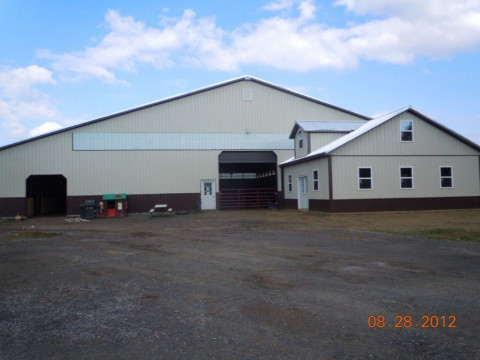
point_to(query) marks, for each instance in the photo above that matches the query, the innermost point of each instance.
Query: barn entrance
(46, 195)
(248, 179)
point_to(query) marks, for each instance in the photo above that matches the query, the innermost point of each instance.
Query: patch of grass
(449, 234)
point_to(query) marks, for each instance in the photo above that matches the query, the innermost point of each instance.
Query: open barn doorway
(248, 179)
(46, 195)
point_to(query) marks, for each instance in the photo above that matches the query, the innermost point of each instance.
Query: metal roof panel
(329, 126)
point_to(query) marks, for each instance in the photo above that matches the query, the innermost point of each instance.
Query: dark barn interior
(46, 195)
(248, 179)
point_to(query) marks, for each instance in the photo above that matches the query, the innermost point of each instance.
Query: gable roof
(327, 126)
(183, 95)
(369, 125)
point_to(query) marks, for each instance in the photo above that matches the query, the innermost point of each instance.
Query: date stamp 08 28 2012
(407, 321)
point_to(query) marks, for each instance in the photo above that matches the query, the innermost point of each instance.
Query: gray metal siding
(385, 140)
(317, 140)
(223, 110)
(386, 176)
(383, 151)
(301, 152)
(47, 156)
(306, 169)
(269, 115)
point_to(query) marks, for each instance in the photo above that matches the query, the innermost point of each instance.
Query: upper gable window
(406, 130)
(247, 94)
(300, 139)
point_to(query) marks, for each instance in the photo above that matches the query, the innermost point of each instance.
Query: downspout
(282, 198)
(330, 184)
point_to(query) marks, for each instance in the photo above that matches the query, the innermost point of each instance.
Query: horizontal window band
(180, 141)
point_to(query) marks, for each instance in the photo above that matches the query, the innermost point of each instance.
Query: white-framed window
(406, 177)
(315, 180)
(406, 130)
(289, 183)
(446, 177)
(300, 139)
(247, 94)
(365, 180)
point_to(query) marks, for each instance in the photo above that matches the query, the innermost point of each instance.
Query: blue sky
(63, 63)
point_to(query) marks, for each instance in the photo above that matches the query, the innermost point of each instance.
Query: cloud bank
(391, 31)
(20, 100)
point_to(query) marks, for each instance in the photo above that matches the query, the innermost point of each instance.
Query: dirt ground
(259, 284)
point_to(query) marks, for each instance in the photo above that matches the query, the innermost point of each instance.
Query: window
(290, 183)
(207, 188)
(406, 130)
(446, 177)
(365, 178)
(315, 180)
(406, 178)
(300, 139)
(247, 94)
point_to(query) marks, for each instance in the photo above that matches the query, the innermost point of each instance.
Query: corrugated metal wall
(220, 110)
(319, 140)
(306, 169)
(385, 139)
(223, 110)
(47, 156)
(301, 152)
(386, 176)
(382, 150)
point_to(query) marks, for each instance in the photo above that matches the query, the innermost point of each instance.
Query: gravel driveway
(257, 284)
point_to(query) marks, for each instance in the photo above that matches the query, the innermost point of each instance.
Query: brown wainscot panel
(365, 205)
(10, 207)
(288, 204)
(319, 205)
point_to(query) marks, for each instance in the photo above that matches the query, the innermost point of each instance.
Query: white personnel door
(208, 194)
(303, 193)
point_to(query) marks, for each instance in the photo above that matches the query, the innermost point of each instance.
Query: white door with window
(208, 194)
(303, 193)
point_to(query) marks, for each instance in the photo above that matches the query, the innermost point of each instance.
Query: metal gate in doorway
(248, 179)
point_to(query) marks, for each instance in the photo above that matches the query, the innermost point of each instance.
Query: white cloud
(307, 8)
(18, 82)
(292, 45)
(411, 29)
(280, 5)
(410, 8)
(130, 42)
(399, 33)
(20, 100)
(44, 128)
